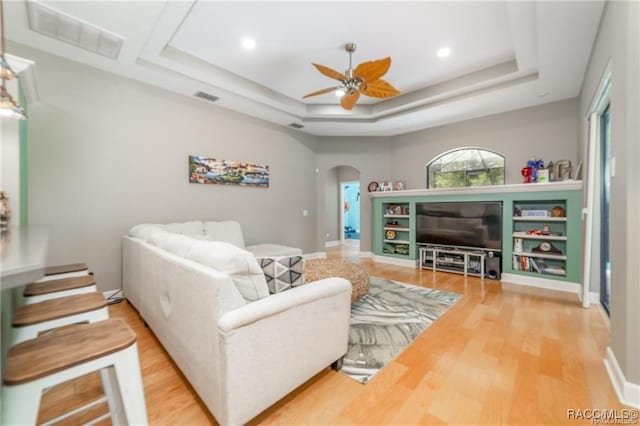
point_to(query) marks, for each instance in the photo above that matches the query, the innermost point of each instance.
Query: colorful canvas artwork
(225, 172)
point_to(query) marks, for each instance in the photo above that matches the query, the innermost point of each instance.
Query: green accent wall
(24, 166)
(570, 199)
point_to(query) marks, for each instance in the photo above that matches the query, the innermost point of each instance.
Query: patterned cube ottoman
(317, 269)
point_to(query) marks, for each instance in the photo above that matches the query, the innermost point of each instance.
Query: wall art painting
(226, 172)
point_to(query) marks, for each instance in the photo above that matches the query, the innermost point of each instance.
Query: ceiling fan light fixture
(340, 93)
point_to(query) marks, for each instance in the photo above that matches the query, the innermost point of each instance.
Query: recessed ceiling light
(444, 52)
(339, 93)
(248, 43)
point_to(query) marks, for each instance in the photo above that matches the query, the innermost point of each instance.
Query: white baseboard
(332, 243)
(547, 283)
(628, 393)
(366, 254)
(107, 294)
(394, 261)
(316, 255)
(594, 297)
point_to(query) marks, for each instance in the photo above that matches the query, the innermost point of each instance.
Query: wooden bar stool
(64, 271)
(29, 320)
(107, 346)
(61, 287)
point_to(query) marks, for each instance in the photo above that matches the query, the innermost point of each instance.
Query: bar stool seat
(31, 319)
(60, 287)
(107, 346)
(64, 271)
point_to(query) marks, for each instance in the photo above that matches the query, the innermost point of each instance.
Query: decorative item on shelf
(558, 211)
(399, 185)
(405, 211)
(373, 186)
(517, 211)
(562, 170)
(551, 168)
(392, 224)
(5, 212)
(535, 213)
(390, 234)
(546, 247)
(530, 171)
(543, 176)
(579, 171)
(402, 249)
(546, 230)
(385, 185)
(517, 245)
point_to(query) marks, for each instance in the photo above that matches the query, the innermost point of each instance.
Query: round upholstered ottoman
(317, 269)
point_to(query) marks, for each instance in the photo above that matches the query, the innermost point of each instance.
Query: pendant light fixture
(8, 107)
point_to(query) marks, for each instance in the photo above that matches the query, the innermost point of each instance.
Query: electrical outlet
(328, 235)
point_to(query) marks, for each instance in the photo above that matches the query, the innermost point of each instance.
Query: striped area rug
(386, 320)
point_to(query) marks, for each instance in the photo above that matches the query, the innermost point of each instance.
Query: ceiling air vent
(206, 96)
(296, 125)
(61, 26)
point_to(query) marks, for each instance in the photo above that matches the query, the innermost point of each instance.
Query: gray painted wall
(547, 131)
(331, 201)
(618, 41)
(370, 157)
(106, 153)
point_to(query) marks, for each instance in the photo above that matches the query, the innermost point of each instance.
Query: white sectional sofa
(207, 302)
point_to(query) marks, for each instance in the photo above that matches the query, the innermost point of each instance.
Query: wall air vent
(206, 96)
(296, 125)
(48, 21)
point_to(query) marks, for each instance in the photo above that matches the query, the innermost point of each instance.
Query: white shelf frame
(397, 241)
(392, 228)
(540, 255)
(538, 219)
(526, 236)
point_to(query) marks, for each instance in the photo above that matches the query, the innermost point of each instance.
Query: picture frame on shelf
(399, 185)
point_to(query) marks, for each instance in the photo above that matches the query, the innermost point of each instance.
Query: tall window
(465, 167)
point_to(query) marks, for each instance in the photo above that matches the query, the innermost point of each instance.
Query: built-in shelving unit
(540, 237)
(396, 229)
(559, 267)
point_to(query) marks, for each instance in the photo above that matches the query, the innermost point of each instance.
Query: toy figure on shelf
(530, 171)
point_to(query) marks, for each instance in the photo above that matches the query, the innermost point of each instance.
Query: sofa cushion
(180, 245)
(271, 250)
(228, 231)
(142, 231)
(194, 227)
(239, 264)
(282, 272)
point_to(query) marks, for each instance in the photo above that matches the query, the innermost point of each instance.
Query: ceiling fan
(365, 79)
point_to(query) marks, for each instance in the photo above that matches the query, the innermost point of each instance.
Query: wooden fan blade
(379, 89)
(373, 70)
(329, 72)
(320, 92)
(350, 99)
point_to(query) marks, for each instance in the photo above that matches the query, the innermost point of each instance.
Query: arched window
(465, 167)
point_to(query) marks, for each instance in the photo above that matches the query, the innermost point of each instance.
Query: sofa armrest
(280, 302)
(271, 346)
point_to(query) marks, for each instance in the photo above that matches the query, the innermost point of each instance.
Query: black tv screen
(460, 224)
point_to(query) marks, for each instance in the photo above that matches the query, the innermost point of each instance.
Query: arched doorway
(342, 211)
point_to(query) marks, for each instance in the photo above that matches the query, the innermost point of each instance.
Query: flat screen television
(460, 224)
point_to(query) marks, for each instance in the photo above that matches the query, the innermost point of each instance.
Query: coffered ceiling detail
(504, 55)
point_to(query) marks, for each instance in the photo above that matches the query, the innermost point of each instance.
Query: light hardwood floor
(501, 355)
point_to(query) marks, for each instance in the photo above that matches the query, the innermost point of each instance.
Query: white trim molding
(546, 283)
(109, 293)
(394, 261)
(628, 393)
(366, 254)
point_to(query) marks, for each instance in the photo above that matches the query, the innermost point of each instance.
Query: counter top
(23, 255)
